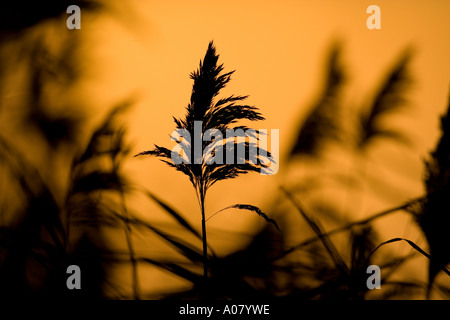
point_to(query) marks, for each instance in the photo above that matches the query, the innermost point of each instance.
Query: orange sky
(147, 49)
(278, 49)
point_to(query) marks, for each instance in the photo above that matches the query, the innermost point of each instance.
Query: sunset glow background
(145, 51)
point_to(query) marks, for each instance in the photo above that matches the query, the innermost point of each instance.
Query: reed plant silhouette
(39, 246)
(390, 97)
(45, 239)
(98, 188)
(329, 274)
(323, 125)
(220, 114)
(323, 122)
(38, 240)
(434, 217)
(43, 243)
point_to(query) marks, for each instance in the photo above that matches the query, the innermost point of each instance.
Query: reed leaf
(173, 268)
(174, 214)
(324, 237)
(414, 246)
(186, 249)
(249, 207)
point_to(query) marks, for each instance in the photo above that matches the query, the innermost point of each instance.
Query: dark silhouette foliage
(435, 216)
(323, 122)
(390, 97)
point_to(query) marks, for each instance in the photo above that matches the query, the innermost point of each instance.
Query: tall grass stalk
(220, 114)
(406, 206)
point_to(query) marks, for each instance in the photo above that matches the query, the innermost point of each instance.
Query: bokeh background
(58, 86)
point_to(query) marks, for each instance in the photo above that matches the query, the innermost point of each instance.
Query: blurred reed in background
(53, 216)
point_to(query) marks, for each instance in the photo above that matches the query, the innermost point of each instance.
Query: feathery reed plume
(390, 98)
(435, 218)
(323, 121)
(221, 115)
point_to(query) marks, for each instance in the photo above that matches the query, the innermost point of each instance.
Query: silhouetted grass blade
(174, 214)
(174, 268)
(413, 245)
(324, 238)
(250, 208)
(186, 249)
